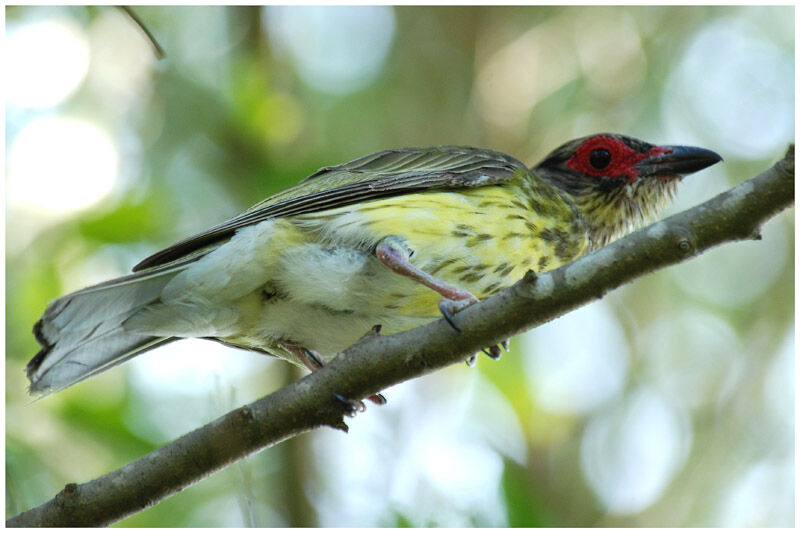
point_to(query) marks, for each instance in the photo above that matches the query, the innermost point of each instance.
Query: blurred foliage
(230, 116)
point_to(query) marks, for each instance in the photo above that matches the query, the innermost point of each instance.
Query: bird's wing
(378, 175)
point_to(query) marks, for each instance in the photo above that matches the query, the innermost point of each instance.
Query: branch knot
(686, 246)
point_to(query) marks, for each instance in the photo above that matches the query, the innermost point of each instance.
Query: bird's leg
(393, 252)
(314, 361)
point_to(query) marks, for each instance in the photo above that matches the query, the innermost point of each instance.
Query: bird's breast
(481, 240)
(327, 287)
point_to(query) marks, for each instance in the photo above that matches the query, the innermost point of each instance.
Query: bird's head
(618, 182)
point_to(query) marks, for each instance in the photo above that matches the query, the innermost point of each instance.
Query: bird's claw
(493, 352)
(448, 316)
(354, 407)
(351, 408)
(377, 399)
(449, 307)
(314, 361)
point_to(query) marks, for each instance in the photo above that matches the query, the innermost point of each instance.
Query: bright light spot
(470, 487)
(737, 88)
(60, 165)
(187, 383)
(122, 59)
(44, 62)
(691, 356)
(354, 493)
(188, 366)
(763, 497)
(779, 384)
(431, 457)
(630, 454)
(572, 372)
(428, 484)
(335, 49)
(499, 424)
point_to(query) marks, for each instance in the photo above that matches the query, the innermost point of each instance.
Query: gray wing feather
(83, 333)
(378, 175)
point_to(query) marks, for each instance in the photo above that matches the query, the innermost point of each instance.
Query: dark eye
(600, 158)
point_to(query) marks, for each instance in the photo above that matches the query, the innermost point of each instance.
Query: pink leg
(314, 361)
(393, 253)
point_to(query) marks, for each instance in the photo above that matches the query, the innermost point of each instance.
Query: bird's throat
(609, 214)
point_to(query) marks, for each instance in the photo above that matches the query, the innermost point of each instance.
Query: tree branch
(377, 362)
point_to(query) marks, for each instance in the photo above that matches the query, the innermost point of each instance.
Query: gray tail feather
(83, 333)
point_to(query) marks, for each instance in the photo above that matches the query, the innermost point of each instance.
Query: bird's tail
(83, 333)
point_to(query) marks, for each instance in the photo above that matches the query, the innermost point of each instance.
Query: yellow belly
(481, 240)
(326, 287)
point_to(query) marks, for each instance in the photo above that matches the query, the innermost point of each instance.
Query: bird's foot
(351, 408)
(494, 351)
(313, 361)
(395, 252)
(451, 306)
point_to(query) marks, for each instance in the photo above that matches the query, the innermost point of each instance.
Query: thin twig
(157, 50)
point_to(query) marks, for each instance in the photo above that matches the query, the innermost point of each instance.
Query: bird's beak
(677, 161)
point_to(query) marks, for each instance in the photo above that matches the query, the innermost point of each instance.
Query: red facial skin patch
(623, 159)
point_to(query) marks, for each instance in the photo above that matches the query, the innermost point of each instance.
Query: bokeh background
(668, 403)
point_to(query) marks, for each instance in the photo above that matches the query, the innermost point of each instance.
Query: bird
(396, 238)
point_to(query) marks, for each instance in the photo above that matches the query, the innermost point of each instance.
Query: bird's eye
(600, 158)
